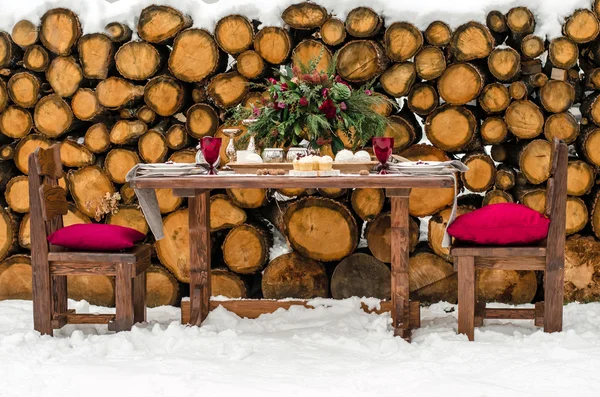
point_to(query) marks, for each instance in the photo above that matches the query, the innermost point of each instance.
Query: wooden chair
(51, 264)
(548, 256)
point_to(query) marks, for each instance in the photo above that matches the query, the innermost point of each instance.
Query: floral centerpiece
(305, 104)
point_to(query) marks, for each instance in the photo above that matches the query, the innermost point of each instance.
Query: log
(15, 278)
(158, 24)
(524, 119)
(505, 177)
(557, 96)
(118, 162)
(115, 92)
(146, 114)
(333, 32)
(367, 203)
(177, 137)
(581, 178)
(24, 89)
(73, 154)
(481, 174)
(378, 235)
(457, 139)
(590, 108)
(534, 160)
(332, 193)
(563, 126)
(426, 270)
(293, 192)
(471, 41)
(16, 194)
(422, 99)
(581, 269)
(438, 33)
(248, 198)
(582, 26)
(127, 131)
(402, 41)
(88, 186)
(228, 284)
(25, 33)
(184, 156)
(152, 146)
(15, 122)
(7, 152)
(165, 95)
(127, 194)
(363, 22)
(430, 62)
(496, 23)
(273, 44)
(398, 79)
(250, 65)
(308, 52)
(532, 46)
(304, 16)
(494, 98)
(493, 131)
(224, 214)
(4, 97)
(361, 275)
(309, 221)
(361, 60)
(64, 75)
(128, 216)
(234, 34)
(97, 138)
(506, 286)
(437, 227)
(460, 84)
(520, 20)
(85, 105)
(52, 116)
(25, 147)
(497, 196)
(95, 289)
(138, 60)
(96, 55)
(226, 90)
(167, 201)
(118, 32)
(504, 64)
(59, 31)
(404, 131)
(587, 144)
(293, 276)
(173, 251)
(518, 90)
(563, 53)
(190, 46)
(246, 248)
(201, 120)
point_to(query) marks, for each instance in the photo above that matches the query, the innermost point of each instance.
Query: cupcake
(315, 162)
(325, 163)
(344, 156)
(296, 164)
(305, 163)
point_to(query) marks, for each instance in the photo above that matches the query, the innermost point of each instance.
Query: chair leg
(139, 298)
(466, 296)
(59, 294)
(42, 299)
(123, 298)
(553, 300)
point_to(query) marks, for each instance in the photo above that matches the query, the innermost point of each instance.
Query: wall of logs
(491, 93)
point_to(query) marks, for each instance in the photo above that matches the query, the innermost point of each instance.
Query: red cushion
(501, 224)
(95, 237)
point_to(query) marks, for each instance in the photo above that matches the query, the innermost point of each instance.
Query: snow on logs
(114, 102)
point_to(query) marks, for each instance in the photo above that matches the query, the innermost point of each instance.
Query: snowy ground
(335, 351)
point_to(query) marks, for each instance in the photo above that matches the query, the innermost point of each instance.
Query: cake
(325, 163)
(344, 156)
(305, 163)
(315, 161)
(362, 156)
(253, 158)
(296, 164)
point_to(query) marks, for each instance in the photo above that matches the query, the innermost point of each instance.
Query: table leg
(400, 256)
(199, 213)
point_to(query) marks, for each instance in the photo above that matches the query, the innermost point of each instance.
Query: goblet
(382, 146)
(230, 150)
(210, 150)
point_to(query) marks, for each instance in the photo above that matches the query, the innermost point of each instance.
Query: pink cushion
(95, 237)
(501, 224)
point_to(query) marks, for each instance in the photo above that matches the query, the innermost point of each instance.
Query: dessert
(305, 163)
(325, 163)
(362, 156)
(253, 158)
(344, 156)
(296, 164)
(315, 161)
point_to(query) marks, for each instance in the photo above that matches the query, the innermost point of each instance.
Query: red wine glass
(382, 146)
(211, 148)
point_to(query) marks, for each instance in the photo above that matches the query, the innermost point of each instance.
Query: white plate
(426, 166)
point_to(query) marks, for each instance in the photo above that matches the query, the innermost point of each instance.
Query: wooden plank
(133, 255)
(123, 298)
(539, 314)
(199, 222)
(253, 308)
(466, 296)
(82, 269)
(48, 162)
(512, 314)
(399, 239)
(53, 201)
(188, 192)
(499, 252)
(229, 181)
(511, 263)
(74, 318)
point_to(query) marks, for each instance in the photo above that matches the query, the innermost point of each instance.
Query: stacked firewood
(492, 94)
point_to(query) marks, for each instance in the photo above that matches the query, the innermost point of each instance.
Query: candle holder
(251, 143)
(230, 150)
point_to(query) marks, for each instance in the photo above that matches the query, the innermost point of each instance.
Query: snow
(329, 351)
(95, 14)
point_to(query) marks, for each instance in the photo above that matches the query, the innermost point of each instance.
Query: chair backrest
(556, 197)
(47, 200)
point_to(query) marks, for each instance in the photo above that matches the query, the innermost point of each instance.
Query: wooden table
(405, 316)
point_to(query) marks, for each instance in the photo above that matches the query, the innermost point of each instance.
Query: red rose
(343, 106)
(325, 92)
(272, 80)
(280, 105)
(303, 101)
(284, 87)
(338, 79)
(328, 108)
